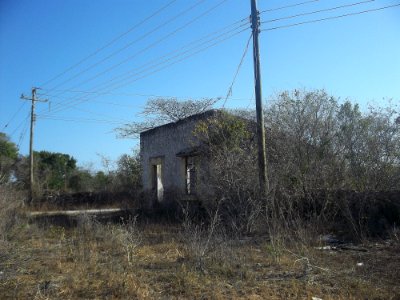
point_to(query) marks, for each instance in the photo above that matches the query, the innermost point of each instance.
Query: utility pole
(262, 160)
(33, 119)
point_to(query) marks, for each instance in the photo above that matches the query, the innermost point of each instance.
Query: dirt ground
(161, 261)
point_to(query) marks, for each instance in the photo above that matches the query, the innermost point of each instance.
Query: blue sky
(355, 57)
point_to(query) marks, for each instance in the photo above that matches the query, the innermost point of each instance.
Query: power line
(121, 94)
(152, 64)
(137, 77)
(155, 65)
(110, 43)
(237, 70)
(251, 100)
(20, 124)
(93, 113)
(83, 120)
(127, 94)
(175, 31)
(182, 59)
(101, 93)
(290, 25)
(23, 134)
(144, 49)
(168, 54)
(331, 18)
(94, 101)
(288, 6)
(14, 115)
(143, 36)
(317, 11)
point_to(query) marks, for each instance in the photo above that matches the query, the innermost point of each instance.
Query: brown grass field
(173, 261)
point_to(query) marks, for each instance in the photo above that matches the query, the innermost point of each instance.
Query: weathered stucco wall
(164, 143)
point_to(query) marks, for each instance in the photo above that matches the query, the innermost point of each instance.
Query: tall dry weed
(129, 237)
(11, 203)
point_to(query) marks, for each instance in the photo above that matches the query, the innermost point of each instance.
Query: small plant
(129, 237)
(202, 241)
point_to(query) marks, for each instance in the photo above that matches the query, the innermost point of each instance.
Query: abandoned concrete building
(171, 159)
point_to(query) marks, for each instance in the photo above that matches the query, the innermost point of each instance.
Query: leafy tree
(81, 180)
(128, 173)
(53, 170)
(8, 157)
(125, 177)
(102, 181)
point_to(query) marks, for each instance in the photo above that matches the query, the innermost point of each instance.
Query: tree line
(59, 172)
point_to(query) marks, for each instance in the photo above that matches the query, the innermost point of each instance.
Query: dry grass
(11, 207)
(158, 261)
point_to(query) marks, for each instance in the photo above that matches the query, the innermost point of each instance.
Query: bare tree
(160, 111)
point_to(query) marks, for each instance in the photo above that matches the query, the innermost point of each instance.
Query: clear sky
(98, 61)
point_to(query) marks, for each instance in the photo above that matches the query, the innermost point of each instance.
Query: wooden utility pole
(33, 119)
(262, 160)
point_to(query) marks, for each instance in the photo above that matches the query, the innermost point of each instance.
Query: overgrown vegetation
(327, 228)
(325, 162)
(333, 146)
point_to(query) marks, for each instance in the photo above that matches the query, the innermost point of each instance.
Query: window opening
(190, 175)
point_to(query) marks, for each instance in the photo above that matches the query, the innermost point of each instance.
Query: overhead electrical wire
(153, 66)
(109, 43)
(158, 41)
(246, 48)
(94, 101)
(268, 29)
(170, 64)
(176, 51)
(143, 36)
(92, 113)
(251, 100)
(365, 11)
(84, 120)
(22, 135)
(145, 49)
(104, 93)
(129, 95)
(317, 11)
(14, 115)
(148, 66)
(300, 23)
(331, 18)
(26, 119)
(184, 58)
(288, 6)
(353, 4)
(197, 41)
